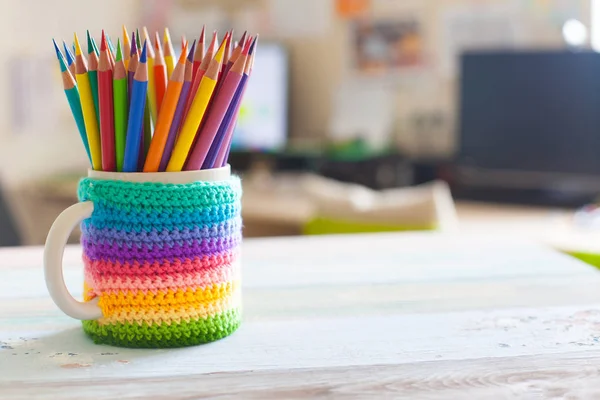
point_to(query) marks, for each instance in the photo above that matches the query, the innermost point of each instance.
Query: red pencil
(199, 54)
(105, 100)
(160, 74)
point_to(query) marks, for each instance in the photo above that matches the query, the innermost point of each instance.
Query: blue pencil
(139, 92)
(70, 59)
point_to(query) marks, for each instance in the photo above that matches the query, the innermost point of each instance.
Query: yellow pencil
(169, 53)
(90, 118)
(126, 48)
(196, 113)
(151, 84)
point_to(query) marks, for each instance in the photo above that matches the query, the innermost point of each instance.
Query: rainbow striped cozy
(162, 258)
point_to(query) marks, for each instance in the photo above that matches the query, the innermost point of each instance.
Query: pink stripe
(182, 280)
(169, 267)
(213, 121)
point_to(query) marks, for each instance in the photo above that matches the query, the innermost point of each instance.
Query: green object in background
(589, 258)
(324, 226)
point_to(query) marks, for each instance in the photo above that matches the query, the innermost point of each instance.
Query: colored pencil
(169, 53)
(70, 59)
(133, 64)
(107, 119)
(225, 146)
(166, 114)
(70, 87)
(160, 73)
(199, 53)
(237, 50)
(151, 80)
(210, 52)
(195, 114)
(87, 106)
(222, 71)
(121, 106)
(126, 47)
(219, 106)
(136, 114)
(228, 120)
(178, 117)
(111, 52)
(93, 70)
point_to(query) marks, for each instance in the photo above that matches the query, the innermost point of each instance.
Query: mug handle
(53, 257)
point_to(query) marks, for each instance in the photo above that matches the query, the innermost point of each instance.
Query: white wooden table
(404, 316)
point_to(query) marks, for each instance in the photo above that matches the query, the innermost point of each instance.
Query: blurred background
(361, 116)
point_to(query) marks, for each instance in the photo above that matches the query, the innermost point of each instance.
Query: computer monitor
(530, 120)
(262, 124)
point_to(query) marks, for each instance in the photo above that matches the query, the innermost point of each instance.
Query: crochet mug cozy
(160, 257)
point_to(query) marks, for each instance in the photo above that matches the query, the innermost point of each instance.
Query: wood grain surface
(404, 316)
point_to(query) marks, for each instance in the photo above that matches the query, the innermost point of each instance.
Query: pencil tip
(89, 42)
(102, 41)
(192, 51)
(202, 33)
(77, 45)
(119, 55)
(183, 54)
(133, 45)
(157, 41)
(167, 36)
(219, 55)
(253, 44)
(143, 55)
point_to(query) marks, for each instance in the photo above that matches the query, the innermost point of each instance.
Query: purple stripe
(154, 252)
(222, 229)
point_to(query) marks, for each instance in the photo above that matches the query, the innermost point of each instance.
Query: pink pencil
(218, 109)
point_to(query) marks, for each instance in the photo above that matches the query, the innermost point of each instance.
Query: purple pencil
(178, 116)
(211, 158)
(223, 150)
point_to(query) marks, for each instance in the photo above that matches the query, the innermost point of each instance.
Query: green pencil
(120, 104)
(93, 70)
(72, 93)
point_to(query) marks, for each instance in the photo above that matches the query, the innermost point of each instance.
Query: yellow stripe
(90, 119)
(172, 314)
(190, 126)
(152, 90)
(139, 301)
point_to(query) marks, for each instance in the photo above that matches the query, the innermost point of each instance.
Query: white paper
(363, 110)
(477, 26)
(300, 18)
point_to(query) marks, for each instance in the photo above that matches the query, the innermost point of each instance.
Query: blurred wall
(319, 64)
(27, 28)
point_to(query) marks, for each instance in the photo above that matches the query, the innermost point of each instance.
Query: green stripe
(164, 335)
(93, 75)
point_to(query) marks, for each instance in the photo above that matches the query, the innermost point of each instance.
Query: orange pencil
(160, 74)
(165, 117)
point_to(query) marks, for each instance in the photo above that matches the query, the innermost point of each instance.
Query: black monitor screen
(535, 112)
